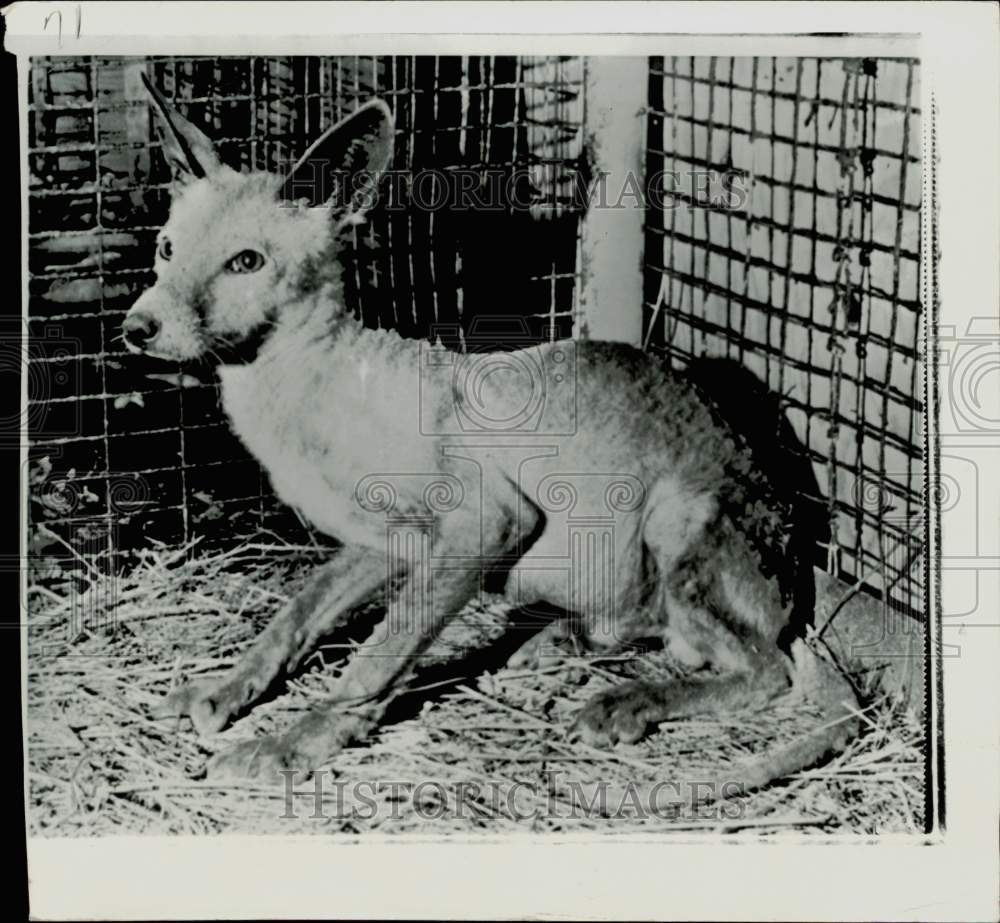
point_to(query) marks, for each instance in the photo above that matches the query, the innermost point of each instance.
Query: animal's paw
(622, 713)
(262, 758)
(545, 649)
(308, 744)
(210, 704)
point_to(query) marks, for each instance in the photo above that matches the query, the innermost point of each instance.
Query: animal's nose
(140, 330)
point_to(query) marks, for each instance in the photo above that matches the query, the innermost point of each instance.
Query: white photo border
(948, 875)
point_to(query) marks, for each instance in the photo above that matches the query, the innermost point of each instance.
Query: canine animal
(583, 475)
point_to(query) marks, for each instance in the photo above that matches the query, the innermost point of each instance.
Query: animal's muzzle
(139, 330)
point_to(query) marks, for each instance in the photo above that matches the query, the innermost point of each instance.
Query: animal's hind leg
(560, 638)
(719, 609)
(754, 672)
(732, 615)
(331, 592)
(625, 713)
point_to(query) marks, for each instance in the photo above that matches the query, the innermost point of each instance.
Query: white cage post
(612, 231)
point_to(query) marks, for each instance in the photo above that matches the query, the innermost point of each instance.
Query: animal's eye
(246, 261)
(165, 250)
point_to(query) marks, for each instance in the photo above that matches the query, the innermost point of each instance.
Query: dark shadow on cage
(497, 277)
(755, 414)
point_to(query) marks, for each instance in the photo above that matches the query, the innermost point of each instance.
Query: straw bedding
(475, 749)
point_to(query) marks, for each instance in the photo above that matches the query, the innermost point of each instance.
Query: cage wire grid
(812, 282)
(118, 458)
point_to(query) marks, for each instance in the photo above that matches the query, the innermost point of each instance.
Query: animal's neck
(327, 357)
(321, 341)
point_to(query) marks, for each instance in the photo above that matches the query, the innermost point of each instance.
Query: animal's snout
(139, 330)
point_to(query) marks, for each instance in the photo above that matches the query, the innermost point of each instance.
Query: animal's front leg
(354, 575)
(384, 661)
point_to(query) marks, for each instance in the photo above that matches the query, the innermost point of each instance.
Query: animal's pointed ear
(343, 167)
(187, 149)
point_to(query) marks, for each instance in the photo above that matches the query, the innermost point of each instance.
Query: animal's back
(622, 411)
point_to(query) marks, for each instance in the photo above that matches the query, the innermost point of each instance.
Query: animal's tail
(819, 682)
(815, 680)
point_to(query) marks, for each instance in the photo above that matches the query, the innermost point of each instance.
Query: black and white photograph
(457, 445)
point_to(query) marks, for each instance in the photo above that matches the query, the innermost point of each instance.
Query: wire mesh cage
(120, 456)
(789, 240)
